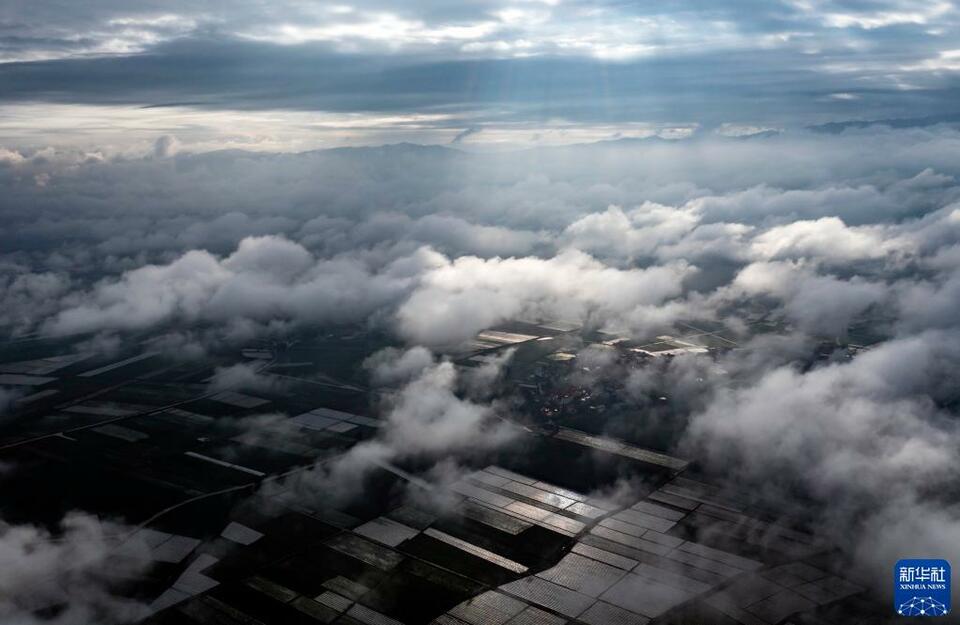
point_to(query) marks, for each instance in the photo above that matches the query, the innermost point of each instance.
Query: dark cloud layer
(779, 87)
(492, 64)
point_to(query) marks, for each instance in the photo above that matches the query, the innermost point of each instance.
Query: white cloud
(863, 438)
(266, 278)
(818, 304)
(426, 420)
(434, 244)
(825, 239)
(79, 569)
(391, 365)
(458, 298)
(904, 13)
(616, 234)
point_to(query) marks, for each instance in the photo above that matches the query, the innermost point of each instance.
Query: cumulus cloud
(77, 572)
(825, 239)
(27, 295)
(839, 217)
(870, 440)
(479, 381)
(429, 418)
(243, 377)
(391, 365)
(616, 234)
(468, 294)
(438, 301)
(815, 236)
(166, 146)
(929, 303)
(435, 244)
(10, 157)
(426, 420)
(266, 278)
(823, 304)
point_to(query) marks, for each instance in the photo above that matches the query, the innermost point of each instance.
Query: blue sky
(288, 75)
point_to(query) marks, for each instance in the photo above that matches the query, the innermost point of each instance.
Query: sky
(628, 166)
(294, 75)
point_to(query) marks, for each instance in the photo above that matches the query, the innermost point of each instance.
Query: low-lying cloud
(429, 419)
(815, 234)
(76, 574)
